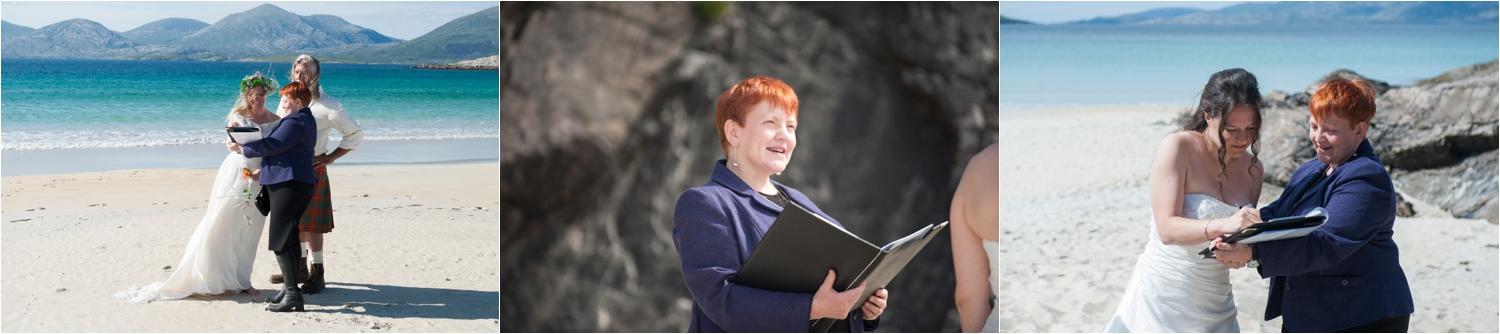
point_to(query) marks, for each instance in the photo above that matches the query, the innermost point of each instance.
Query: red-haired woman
(318, 219)
(1346, 276)
(287, 171)
(718, 224)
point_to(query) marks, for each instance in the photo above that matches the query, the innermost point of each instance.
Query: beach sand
(416, 248)
(1075, 215)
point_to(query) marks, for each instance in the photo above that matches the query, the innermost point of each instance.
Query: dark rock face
(1437, 137)
(608, 117)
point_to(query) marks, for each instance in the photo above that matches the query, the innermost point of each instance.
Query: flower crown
(257, 80)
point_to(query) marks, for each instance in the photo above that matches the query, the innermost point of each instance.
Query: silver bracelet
(1205, 230)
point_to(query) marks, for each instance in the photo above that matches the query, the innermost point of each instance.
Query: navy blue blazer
(287, 152)
(1346, 272)
(715, 228)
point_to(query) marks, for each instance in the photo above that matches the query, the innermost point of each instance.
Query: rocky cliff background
(607, 117)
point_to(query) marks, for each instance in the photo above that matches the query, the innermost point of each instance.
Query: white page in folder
(244, 137)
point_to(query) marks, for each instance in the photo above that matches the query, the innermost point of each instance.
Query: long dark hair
(1224, 91)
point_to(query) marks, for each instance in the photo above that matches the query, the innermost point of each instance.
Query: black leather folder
(243, 134)
(1276, 229)
(795, 255)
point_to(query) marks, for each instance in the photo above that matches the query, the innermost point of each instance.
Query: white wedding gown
(221, 252)
(1173, 289)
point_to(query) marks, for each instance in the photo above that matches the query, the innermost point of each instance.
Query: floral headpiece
(257, 80)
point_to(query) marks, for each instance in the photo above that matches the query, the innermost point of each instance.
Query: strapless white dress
(1173, 289)
(220, 254)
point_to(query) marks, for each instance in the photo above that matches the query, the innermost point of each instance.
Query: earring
(734, 164)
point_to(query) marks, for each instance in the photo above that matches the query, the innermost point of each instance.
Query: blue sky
(404, 20)
(1062, 11)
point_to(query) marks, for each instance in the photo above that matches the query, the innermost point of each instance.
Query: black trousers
(1396, 324)
(288, 201)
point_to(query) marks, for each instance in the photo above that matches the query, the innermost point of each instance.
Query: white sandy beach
(416, 248)
(1075, 214)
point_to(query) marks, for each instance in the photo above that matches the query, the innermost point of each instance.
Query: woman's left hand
(234, 147)
(875, 305)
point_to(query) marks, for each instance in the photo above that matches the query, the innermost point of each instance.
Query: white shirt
(329, 115)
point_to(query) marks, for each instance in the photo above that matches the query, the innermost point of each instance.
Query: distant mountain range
(1435, 12)
(472, 36)
(164, 30)
(1008, 20)
(261, 33)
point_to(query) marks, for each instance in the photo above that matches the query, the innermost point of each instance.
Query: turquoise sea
(154, 113)
(1044, 66)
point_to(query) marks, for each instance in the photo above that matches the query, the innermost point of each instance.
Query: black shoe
(277, 298)
(314, 283)
(291, 303)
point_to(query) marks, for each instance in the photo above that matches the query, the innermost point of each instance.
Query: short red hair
(736, 102)
(1349, 99)
(298, 91)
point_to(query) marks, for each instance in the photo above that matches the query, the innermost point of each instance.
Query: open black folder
(795, 255)
(243, 134)
(1276, 229)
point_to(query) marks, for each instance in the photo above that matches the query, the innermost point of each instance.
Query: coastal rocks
(609, 117)
(1436, 137)
(1466, 189)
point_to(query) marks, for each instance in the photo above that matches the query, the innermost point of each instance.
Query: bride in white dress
(221, 253)
(1205, 181)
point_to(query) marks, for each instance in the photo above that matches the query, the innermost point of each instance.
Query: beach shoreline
(1074, 221)
(198, 156)
(415, 249)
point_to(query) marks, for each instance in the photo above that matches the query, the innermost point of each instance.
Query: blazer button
(1345, 282)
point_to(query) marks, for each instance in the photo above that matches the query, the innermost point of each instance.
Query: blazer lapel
(723, 176)
(1316, 188)
(1365, 151)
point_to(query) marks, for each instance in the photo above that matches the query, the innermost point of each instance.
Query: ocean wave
(61, 140)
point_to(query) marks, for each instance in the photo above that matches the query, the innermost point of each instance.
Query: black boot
(291, 302)
(290, 296)
(277, 298)
(302, 276)
(315, 281)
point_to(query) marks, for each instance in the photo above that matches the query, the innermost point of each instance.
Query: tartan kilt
(318, 217)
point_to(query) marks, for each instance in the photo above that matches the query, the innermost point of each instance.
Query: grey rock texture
(608, 117)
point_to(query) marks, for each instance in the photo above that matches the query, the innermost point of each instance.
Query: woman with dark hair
(1205, 181)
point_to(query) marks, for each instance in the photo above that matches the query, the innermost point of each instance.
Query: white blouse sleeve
(346, 125)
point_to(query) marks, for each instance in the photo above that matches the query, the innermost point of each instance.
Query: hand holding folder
(799, 249)
(242, 134)
(1276, 229)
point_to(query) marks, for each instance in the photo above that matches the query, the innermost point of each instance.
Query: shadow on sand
(390, 301)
